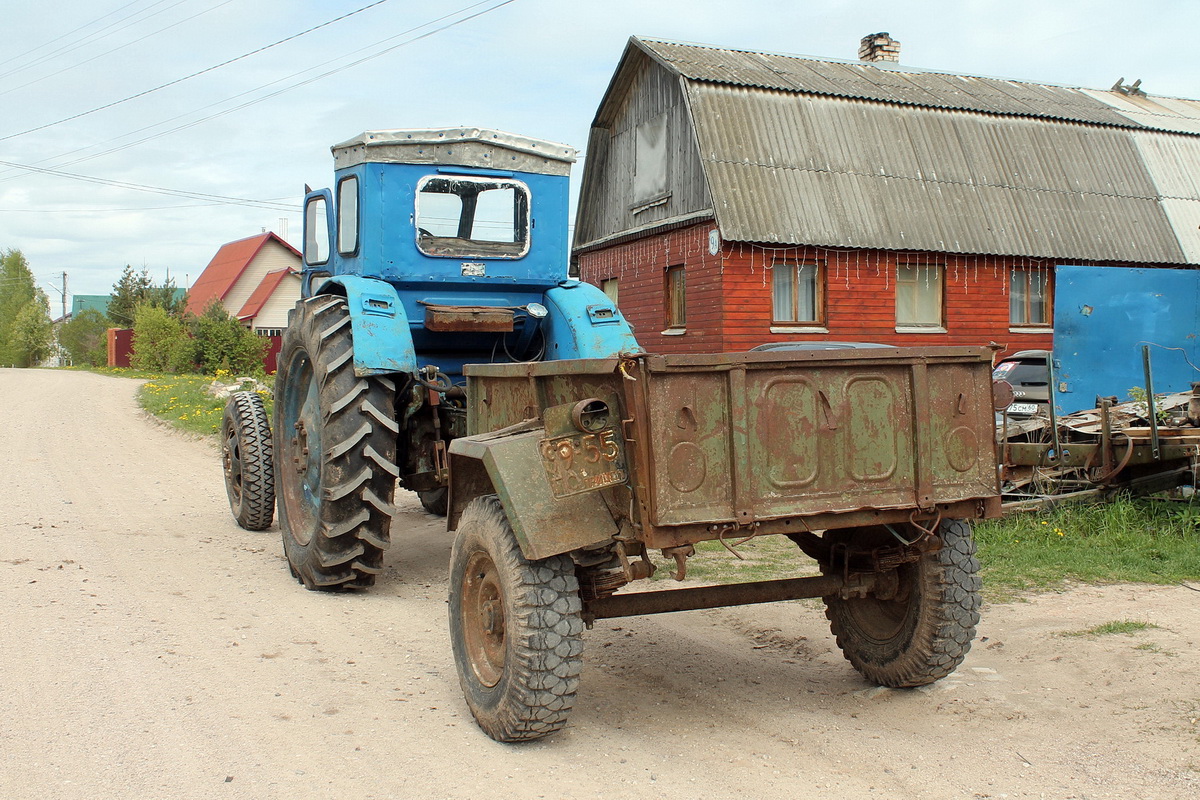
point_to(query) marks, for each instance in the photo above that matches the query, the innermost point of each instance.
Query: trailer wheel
(515, 626)
(335, 438)
(434, 501)
(922, 633)
(246, 456)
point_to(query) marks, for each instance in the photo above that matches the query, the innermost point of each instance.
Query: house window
(1029, 297)
(796, 294)
(676, 300)
(609, 287)
(269, 331)
(347, 211)
(651, 165)
(919, 296)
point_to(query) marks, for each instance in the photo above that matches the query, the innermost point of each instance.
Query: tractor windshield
(461, 217)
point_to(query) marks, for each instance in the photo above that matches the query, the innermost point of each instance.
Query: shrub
(224, 343)
(160, 341)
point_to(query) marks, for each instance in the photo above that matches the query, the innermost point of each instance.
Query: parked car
(776, 346)
(1028, 371)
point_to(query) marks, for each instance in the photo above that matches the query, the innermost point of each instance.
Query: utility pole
(64, 295)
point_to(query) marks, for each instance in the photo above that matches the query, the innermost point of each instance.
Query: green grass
(182, 401)
(1114, 627)
(1126, 541)
(1141, 541)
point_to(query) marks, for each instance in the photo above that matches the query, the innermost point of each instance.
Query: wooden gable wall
(643, 92)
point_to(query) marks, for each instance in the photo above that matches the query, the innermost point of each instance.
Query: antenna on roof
(1134, 89)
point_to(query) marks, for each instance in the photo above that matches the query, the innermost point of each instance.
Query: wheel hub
(484, 619)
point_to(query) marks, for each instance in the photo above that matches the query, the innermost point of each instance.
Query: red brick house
(734, 198)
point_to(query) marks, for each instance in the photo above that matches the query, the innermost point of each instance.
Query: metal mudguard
(509, 464)
(382, 340)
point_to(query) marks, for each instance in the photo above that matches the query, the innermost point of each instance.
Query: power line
(155, 189)
(201, 120)
(115, 49)
(94, 37)
(10, 59)
(195, 74)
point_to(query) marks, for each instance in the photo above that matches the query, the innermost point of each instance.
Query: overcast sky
(259, 128)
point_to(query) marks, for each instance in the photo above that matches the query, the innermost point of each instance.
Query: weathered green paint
(544, 525)
(719, 442)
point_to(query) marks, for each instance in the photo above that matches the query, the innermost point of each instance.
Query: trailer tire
(516, 628)
(246, 457)
(925, 631)
(434, 501)
(335, 437)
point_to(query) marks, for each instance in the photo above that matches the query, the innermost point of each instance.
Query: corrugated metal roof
(841, 172)
(895, 84)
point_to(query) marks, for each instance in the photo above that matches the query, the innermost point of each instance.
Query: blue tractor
(435, 249)
(440, 346)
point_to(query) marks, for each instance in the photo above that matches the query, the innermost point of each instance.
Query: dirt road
(152, 649)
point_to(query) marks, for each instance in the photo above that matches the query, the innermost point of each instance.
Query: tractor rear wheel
(516, 628)
(246, 456)
(922, 631)
(335, 440)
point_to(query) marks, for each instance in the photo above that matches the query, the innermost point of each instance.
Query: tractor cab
(467, 228)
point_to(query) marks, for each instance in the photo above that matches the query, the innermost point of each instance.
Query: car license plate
(1023, 408)
(583, 462)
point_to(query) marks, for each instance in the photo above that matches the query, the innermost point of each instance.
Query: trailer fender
(382, 340)
(585, 323)
(508, 464)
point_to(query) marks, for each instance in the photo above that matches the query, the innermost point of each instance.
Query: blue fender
(584, 323)
(382, 340)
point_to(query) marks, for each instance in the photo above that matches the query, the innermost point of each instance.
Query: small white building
(257, 280)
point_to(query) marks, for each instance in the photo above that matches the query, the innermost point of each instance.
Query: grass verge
(182, 401)
(1126, 541)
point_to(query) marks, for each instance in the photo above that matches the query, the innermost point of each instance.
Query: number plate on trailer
(583, 462)
(1023, 408)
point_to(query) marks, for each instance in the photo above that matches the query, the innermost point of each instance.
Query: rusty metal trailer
(873, 462)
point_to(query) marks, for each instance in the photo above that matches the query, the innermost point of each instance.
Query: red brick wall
(640, 269)
(729, 295)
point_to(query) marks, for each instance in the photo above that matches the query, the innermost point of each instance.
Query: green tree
(85, 337)
(224, 343)
(160, 341)
(165, 298)
(130, 290)
(17, 289)
(32, 336)
(133, 289)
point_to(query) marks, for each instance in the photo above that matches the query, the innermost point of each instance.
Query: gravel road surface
(152, 649)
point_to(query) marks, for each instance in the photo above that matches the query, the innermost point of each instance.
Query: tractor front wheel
(246, 457)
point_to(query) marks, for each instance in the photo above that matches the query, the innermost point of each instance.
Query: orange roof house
(257, 280)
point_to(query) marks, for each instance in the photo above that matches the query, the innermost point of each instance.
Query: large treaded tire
(924, 633)
(246, 458)
(515, 626)
(335, 440)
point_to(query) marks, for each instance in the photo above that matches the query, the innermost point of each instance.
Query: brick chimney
(879, 47)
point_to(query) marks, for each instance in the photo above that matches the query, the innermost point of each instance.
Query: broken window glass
(461, 217)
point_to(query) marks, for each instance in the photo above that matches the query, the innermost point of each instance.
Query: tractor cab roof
(479, 148)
